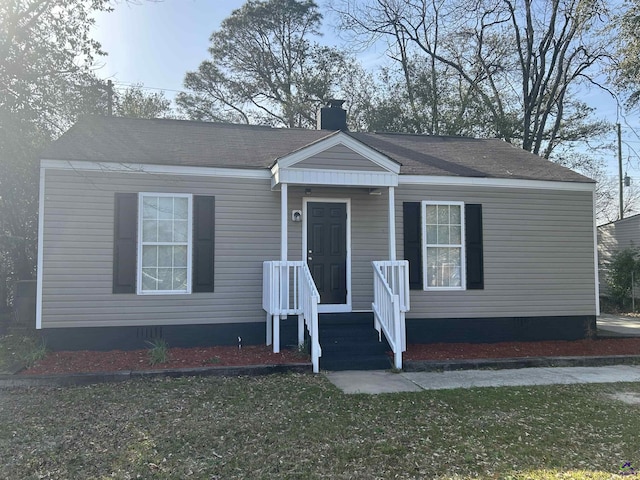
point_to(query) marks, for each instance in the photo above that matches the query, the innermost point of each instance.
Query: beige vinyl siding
(78, 251)
(538, 250)
(538, 254)
(613, 237)
(339, 157)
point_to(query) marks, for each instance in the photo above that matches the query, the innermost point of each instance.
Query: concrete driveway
(619, 324)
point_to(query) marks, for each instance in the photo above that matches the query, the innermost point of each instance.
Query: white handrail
(288, 289)
(390, 302)
(309, 301)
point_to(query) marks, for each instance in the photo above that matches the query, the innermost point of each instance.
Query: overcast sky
(156, 43)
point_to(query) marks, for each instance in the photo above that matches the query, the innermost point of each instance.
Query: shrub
(623, 270)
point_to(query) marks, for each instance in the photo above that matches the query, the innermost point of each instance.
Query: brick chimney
(332, 116)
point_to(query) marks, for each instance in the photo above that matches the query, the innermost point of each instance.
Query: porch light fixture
(307, 191)
(375, 191)
(296, 215)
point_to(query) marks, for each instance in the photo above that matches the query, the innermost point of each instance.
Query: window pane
(165, 256)
(432, 276)
(165, 209)
(180, 279)
(455, 215)
(150, 207)
(432, 217)
(443, 214)
(432, 257)
(149, 256)
(455, 278)
(181, 207)
(179, 256)
(180, 231)
(165, 279)
(432, 234)
(454, 256)
(149, 231)
(455, 235)
(443, 235)
(149, 279)
(165, 231)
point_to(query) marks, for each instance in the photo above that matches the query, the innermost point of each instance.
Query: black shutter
(412, 224)
(124, 242)
(475, 262)
(203, 243)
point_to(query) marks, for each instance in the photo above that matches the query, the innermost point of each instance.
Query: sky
(155, 43)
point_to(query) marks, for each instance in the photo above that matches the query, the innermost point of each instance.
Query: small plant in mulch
(158, 351)
(37, 353)
(303, 350)
(213, 360)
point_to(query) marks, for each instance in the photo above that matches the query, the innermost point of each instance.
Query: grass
(20, 347)
(300, 426)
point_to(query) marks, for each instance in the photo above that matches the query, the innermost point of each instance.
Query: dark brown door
(327, 250)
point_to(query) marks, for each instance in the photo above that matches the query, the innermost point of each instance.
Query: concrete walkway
(375, 382)
(618, 324)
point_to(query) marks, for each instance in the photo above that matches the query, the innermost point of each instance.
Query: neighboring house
(162, 227)
(613, 237)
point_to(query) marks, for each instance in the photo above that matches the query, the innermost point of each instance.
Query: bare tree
(521, 59)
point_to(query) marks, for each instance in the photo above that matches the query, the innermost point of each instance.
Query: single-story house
(613, 237)
(209, 232)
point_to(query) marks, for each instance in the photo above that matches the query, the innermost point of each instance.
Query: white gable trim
(345, 178)
(339, 138)
(117, 167)
(495, 183)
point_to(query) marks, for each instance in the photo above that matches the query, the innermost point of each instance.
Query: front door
(327, 250)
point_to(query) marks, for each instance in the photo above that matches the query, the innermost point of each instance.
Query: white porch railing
(390, 303)
(288, 289)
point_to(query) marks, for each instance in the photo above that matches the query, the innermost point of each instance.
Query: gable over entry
(337, 160)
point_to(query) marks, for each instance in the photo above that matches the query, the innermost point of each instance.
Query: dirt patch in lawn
(94, 361)
(118, 360)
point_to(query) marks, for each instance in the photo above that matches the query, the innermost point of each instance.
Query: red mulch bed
(117, 360)
(93, 361)
(576, 348)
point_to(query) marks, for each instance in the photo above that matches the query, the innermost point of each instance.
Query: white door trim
(333, 308)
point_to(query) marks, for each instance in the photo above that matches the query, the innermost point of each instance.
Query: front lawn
(301, 426)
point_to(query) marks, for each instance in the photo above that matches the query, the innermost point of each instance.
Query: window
(471, 246)
(164, 243)
(443, 247)
(149, 234)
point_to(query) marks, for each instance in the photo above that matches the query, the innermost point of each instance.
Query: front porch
(337, 243)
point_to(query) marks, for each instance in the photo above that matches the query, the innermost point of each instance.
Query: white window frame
(462, 246)
(141, 197)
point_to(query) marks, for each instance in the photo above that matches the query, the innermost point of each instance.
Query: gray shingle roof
(180, 142)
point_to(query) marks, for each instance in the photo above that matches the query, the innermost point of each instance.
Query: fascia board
(121, 167)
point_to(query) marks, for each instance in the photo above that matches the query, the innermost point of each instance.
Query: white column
(283, 222)
(284, 272)
(392, 224)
